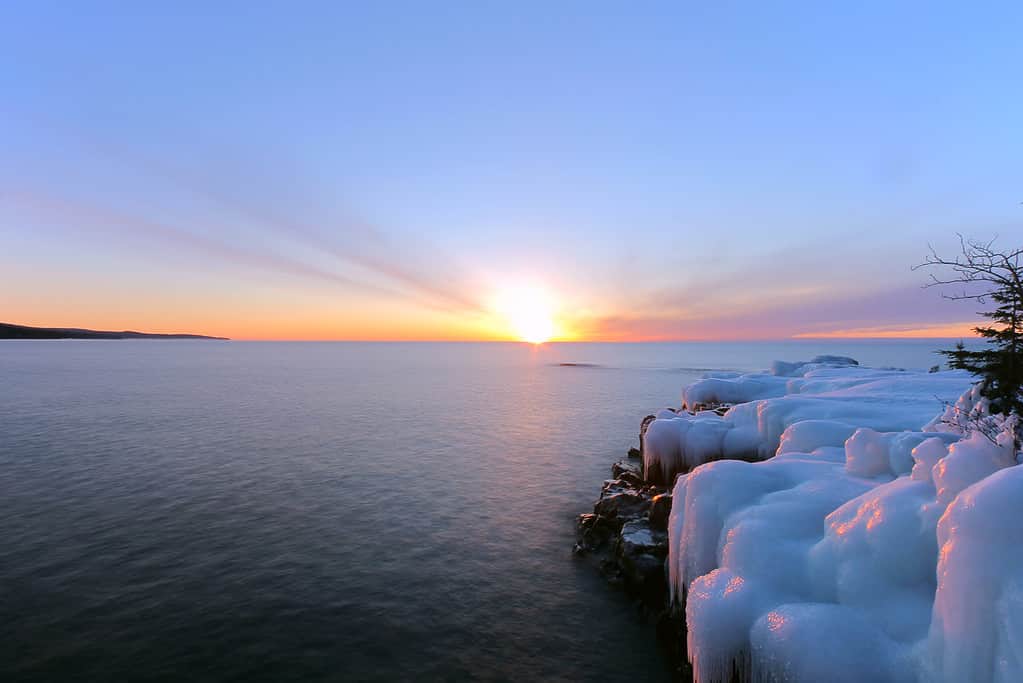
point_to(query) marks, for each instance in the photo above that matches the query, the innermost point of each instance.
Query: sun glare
(528, 313)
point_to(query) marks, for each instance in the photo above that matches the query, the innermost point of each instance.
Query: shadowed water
(270, 511)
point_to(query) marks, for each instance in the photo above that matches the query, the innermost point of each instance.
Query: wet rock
(628, 482)
(642, 430)
(641, 551)
(634, 480)
(671, 633)
(637, 537)
(627, 534)
(621, 502)
(615, 486)
(630, 478)
(660, 509)
(612, 571)
(717, 408)
(593, 533)
(624, 466)
(643, 574)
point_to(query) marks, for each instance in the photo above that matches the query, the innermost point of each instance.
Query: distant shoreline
(11, 331)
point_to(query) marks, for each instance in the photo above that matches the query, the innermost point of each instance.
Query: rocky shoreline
(627, 536)
(849, 546)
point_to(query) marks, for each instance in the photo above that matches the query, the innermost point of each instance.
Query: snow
(859, 538)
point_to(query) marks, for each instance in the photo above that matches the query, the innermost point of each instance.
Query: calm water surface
(176, 510)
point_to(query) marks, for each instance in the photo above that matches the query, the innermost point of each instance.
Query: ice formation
(858, 537)
(831, 391)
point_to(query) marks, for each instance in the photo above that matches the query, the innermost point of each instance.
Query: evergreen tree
(996, 277)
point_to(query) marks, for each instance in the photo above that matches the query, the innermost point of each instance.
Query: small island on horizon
(12, 331)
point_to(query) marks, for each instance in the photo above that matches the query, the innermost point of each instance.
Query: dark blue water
(176, 510)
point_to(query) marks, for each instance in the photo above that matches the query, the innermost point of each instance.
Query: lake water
(183, 510)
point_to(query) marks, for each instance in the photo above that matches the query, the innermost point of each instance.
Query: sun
(528, 312)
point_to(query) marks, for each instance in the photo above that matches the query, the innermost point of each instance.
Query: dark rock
(639, 538)
(642, 430)
(627, 532)
(624, 466)
(654, 476)
(627, 483)
(612, 571)
(641, 551)
(629, 473)
(643, 575)
(586, 520)
(671, 633)
(614, 486)
(621, 502)
(633, 479)
(660, 509)
(593, 533)
(718, 408)
(834, 360)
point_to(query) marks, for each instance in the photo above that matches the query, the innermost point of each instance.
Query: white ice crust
(828, 527)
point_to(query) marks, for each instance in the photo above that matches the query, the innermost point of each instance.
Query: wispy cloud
(909, 307)
(350, 241)
(101, 219)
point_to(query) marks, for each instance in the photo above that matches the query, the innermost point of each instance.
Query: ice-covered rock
(827, 560)
(976, 631)
(834, 396)
(787, 369)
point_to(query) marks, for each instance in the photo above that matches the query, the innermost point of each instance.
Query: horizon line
(796, 338)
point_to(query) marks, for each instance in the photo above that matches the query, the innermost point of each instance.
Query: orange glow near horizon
(944, 331)
(522, 313)
(521, 320)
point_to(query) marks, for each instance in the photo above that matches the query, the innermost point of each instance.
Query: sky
(432, 170)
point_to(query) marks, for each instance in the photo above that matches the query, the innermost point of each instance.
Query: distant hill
(9, 331)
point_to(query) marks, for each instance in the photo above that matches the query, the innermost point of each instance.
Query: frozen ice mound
(836, 397)
(859, 538)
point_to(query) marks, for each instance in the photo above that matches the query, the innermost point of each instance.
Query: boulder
(593, 532)
(623, 466)
(628, 474)
(637, 537)
(643, 574)
(641, 553)
(621, 501)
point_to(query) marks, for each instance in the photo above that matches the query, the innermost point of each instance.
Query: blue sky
(341, 170)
